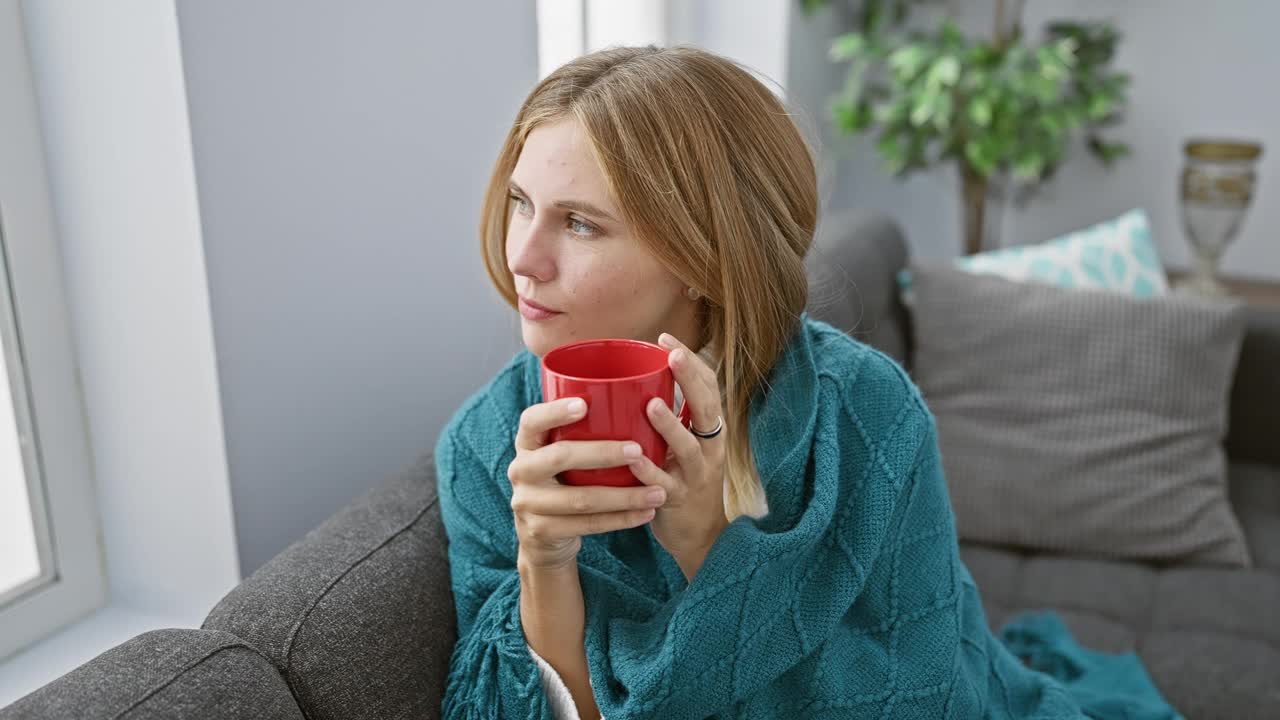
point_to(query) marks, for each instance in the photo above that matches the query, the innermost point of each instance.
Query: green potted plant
(1002, 105)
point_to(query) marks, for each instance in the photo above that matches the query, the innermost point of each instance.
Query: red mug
(617, 378)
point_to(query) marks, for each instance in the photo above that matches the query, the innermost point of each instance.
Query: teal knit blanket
(847, 600)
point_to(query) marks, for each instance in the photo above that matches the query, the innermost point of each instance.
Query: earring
(692, 293)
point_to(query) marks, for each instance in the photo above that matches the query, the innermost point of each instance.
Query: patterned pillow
(1114, 255)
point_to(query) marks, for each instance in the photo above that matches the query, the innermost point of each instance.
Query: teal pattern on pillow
(1114, 255)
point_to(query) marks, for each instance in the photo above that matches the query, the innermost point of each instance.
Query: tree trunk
(973, 206)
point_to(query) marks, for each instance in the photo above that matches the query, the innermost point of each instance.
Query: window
(569, 28)
(752, 32)
(51, 570)
(24, 548)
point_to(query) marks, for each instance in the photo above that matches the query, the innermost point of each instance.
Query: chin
(538, 340)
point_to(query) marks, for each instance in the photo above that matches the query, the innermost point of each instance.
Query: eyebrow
(585, 208)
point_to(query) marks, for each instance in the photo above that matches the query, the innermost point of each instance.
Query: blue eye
(522, 205)
(580, 228)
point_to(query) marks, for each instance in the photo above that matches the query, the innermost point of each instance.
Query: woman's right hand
(551, 518)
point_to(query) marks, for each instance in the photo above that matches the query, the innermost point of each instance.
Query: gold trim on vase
(1222, 150)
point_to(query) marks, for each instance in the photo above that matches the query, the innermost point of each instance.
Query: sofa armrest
(1255, 392)
(358, 615)
(852, 267)
(174, 673)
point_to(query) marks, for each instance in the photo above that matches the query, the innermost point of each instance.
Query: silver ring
(711, 434)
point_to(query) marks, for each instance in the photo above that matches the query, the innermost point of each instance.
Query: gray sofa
(355, 620)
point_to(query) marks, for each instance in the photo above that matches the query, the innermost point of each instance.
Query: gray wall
(810, 80)
(1197, 68)
(340, 152)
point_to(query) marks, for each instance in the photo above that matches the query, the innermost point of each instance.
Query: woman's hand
(551, 518)
(688, 524)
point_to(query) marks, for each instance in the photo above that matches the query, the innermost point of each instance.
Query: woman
(796, 554)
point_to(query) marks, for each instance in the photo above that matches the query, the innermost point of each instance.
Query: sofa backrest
(358, 615)
(853, 268)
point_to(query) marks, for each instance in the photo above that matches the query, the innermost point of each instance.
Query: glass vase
(1216, 190)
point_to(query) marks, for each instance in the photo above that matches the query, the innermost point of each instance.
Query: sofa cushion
(1081, 421)
(166, 674)
(1209, 637)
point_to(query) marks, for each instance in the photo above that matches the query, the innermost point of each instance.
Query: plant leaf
(942, 112)
(891, 152)
(907, 61)
(980, 111)
(944, 72)
(1029, 166)
(1099, 106)
(951, 36)
(1107, 152)
(847, 46)
(978, 159)
(924, 107)
(810, 6)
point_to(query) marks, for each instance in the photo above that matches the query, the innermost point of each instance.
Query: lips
(536, 306)
(533, 311)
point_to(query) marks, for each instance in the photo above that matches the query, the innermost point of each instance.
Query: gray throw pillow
(1082, 421)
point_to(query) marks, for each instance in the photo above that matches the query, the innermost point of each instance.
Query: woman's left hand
(691, 519)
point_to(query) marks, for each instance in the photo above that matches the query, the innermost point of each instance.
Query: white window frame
(753, 32)
(569, 28)
(37, 338)
(562, 33)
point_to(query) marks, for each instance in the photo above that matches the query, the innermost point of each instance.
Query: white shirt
(558, 695)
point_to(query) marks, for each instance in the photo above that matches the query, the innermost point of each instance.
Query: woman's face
(569, 251)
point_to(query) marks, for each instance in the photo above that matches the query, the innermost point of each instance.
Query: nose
(531, 251)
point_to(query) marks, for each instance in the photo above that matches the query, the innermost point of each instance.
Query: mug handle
(684, 414)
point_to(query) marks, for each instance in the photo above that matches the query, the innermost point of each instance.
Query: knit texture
(1116, 687)
(847, 600)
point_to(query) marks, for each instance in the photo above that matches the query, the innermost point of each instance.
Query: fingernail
(657, 495)
(632, 450)
(666, 340)
(656, 405)
(577, 406)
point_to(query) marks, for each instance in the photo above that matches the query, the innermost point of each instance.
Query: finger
(703, 398)
(537, 419)
(682, 442)
(705, 372)
(655, 477)
(551, 460)
(571, 500)
(550, 528)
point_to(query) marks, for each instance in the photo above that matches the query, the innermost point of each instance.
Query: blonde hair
(712, 174)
